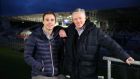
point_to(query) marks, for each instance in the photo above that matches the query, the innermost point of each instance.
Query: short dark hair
(49, 12)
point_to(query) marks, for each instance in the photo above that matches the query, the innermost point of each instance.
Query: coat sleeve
(107, 42)
(68, 53)
(29, 51)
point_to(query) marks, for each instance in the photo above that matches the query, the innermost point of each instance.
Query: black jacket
(81, 55)
(40, 52)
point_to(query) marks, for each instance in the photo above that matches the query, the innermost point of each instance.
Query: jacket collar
(39, 32)
(87, 26)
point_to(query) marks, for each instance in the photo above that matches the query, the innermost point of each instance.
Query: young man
(44, 49)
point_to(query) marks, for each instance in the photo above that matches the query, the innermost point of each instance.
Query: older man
(82, 45)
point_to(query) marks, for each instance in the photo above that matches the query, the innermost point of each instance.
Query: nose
(78, 21)
(50, 22)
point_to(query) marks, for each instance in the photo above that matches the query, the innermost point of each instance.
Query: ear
(43, 21)
(87, 17)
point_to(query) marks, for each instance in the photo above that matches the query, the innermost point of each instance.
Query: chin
(79, 27)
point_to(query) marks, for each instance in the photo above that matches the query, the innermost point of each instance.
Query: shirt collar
(80, 31)
(49, 37)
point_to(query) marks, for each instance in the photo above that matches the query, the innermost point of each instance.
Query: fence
(110, 59)
(14, 43)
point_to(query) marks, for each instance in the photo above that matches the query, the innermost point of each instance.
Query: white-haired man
(82, 45)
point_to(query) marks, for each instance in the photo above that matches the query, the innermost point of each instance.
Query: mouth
(50, 25)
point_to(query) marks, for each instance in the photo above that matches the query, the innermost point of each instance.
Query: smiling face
(79, 19)
(49, 21)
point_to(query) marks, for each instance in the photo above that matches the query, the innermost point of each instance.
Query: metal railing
(110, 59)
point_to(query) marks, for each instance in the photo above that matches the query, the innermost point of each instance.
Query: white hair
(79, 10)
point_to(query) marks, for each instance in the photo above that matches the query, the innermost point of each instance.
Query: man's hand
(129, 60)
(62, 33)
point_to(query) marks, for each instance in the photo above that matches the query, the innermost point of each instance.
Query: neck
(48, 31)
(78, 28)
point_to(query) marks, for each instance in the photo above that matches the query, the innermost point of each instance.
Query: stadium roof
(23, 7)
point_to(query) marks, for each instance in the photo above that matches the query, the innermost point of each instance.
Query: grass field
(12, 65)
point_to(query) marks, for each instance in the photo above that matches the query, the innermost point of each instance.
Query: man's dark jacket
(81, 55)
(41, 52)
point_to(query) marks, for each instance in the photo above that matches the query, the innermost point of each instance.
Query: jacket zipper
(51, 57)
(43, 66)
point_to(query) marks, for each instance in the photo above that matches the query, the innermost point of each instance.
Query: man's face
(49, 21)
(79, 19)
